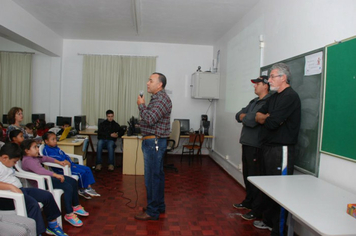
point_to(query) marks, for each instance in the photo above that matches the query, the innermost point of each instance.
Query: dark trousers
(251, 164)
(277, 160)
(32, 197)
(70, 188)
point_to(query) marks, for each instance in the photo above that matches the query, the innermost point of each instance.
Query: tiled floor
(199, 201)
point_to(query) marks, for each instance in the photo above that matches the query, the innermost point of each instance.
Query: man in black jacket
(108, 131)
(280, 118)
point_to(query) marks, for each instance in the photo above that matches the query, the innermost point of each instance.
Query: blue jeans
(70, 188)
(110, 146)
(154, 175)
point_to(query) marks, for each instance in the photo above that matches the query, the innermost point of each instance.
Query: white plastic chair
(13, 222)
(41, 180)
(19, 202)
(66, 169)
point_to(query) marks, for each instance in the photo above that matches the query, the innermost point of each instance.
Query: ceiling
(200, 22)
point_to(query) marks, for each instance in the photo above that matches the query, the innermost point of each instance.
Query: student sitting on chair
(2, 133)
(16, 136)
(65, 125)
(32, 161)
(86, 178)
(31, 130)
(109, 130)
(10, 153)
(41, 127)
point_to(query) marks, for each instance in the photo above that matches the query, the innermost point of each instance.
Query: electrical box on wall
(205, 85)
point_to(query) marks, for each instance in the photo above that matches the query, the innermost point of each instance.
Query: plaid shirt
(156, 117)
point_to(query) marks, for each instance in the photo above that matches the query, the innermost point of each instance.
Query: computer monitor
(80, 122)
(61, 119)
(4, 119)
(184, 125)
(36, 117)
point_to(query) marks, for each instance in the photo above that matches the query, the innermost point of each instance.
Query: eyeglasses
(274, 76)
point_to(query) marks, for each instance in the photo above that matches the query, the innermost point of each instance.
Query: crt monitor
(35, 117)
(61, 119)
(184, 125)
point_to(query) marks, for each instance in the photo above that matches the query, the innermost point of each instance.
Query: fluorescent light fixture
(136, 13)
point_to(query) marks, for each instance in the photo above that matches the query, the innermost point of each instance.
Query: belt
(149, 137)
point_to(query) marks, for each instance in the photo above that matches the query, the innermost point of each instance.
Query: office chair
(195, 144)
(172, 143)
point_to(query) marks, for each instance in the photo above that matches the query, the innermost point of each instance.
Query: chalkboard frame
(338, 142)
(314, 169)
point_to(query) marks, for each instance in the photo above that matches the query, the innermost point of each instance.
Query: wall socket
(239, 167)
(227, 157)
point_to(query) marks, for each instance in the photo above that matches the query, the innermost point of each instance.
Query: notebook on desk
(65, 133)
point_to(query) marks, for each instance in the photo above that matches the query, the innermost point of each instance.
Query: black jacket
(106, 128)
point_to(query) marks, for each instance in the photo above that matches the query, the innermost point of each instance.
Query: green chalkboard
(309, 89)
(339, 121)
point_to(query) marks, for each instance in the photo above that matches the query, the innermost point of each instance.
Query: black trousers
(277, 160)
(251, 166)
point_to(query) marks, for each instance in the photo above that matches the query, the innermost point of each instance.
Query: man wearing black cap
(251, 146)
(280, 118)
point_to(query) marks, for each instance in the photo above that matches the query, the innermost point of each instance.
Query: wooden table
(315, 202)
(132, 160)
(72, 145)
(90, 132)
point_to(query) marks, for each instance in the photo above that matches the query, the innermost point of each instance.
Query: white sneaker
(260, 225)
(84, 194)
(92, 192)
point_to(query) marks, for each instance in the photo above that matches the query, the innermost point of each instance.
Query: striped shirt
(156, 117)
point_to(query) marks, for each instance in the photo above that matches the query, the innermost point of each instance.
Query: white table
(315, 202)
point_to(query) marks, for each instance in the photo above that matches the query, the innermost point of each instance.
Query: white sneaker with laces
(84, 194)
(92, 192)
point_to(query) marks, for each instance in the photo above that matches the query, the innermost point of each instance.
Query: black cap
(262, 78)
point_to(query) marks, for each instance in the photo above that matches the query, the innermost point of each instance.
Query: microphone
(141, 93)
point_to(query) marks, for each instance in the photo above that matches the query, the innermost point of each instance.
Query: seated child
(65, 125)
(10, 153)
(16, 136)
(2, 133)
(41, 127)
(86, 178)
(31, 161)
(31, 130)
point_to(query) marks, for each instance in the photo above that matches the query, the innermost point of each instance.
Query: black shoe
(249, 216)
(241, 206)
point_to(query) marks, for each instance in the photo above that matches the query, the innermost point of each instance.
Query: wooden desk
(90, 132)
(72, 145)
(315, 202)
(132, 162)
(132, 158)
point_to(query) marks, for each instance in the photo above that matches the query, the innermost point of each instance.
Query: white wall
(289, 28)
(45, 79)
(176, 61)
(27, 30)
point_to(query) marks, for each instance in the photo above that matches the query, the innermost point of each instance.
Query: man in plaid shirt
(155, 128)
